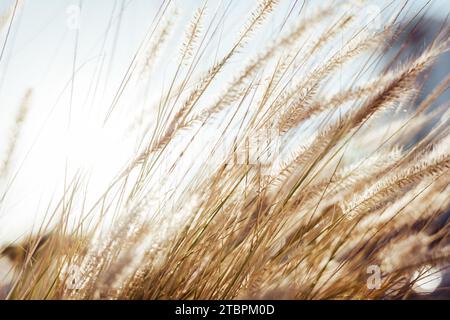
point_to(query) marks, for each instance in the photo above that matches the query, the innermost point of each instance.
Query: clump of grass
(303, 215)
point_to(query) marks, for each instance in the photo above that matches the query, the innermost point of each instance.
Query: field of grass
(307, 165)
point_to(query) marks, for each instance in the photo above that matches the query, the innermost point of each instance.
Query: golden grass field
(286, 169)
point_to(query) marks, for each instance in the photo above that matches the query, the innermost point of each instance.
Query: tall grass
(284, 180)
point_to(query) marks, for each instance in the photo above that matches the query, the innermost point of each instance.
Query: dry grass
(278, 215)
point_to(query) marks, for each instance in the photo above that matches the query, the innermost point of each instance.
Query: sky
(63, 131)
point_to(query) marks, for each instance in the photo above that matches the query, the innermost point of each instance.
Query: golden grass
(307, 222)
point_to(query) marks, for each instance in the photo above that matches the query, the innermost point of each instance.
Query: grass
(305, 180)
